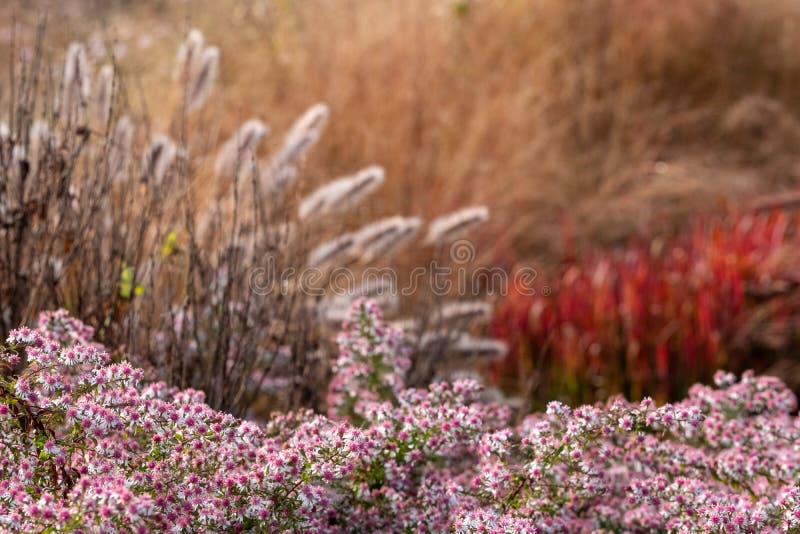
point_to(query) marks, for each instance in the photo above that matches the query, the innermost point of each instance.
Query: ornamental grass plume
(200, 85)
(158, 158)
(431, 339)
(335, 252)
(466, 311)
(188, 61)
(276, 180)
(454, 225)
(311, 123)
(239, 148)
(483, 347)
(281, 170)
(380, 240)
(341, 194)
(75, 85)
(302, 135)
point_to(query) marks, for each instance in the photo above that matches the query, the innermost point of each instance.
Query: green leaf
(170, 245)
(126, 282)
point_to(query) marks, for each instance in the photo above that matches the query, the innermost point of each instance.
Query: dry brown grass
(176, 255)
(601, 116)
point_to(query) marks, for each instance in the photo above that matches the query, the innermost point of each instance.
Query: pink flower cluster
(371, 365)
(85, 446)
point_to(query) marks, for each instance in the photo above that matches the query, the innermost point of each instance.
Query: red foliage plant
(657, 316)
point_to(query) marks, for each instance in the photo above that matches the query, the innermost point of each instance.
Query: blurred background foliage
(592, 129)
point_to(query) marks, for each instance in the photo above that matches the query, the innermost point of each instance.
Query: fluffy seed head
(188, 61)
(76, 84)
(202, 83)
(239, 147)
(303, 135)
(459, 312)
(479, 346)
(158, 158)
(437, 338)
(277, 180)
(281, 170)
(385, 237)
(329, 252)
(453, 225)
(342, 194)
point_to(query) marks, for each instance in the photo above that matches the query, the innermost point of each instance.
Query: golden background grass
(599, 118)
